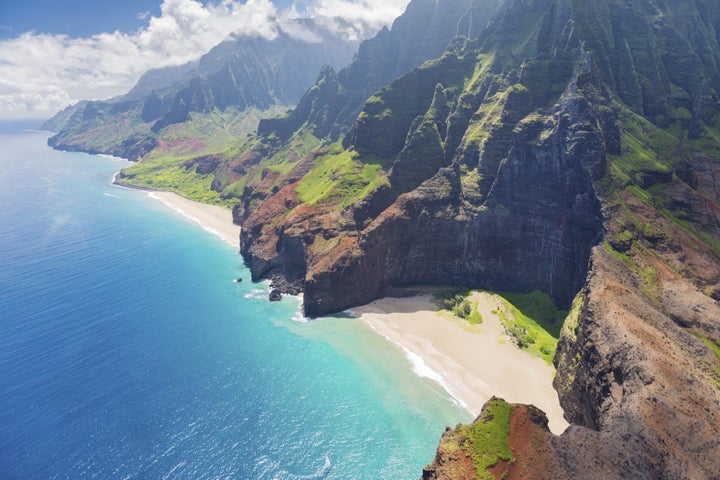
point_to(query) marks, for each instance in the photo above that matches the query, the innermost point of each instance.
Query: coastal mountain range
(564, 146)
(238, 79)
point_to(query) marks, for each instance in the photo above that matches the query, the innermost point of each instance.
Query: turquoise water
(126, 350)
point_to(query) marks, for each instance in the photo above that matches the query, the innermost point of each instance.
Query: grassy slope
(533, 321)
(646, 169)
(340, 177)
(216, 132)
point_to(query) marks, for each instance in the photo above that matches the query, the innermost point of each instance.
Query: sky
(55, 53)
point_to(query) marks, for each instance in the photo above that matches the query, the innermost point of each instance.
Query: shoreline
(470, 362)
(212, 218)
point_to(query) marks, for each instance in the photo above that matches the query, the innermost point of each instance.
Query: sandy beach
(472, 362)
(216, 220)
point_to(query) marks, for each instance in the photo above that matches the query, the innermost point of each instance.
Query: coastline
(471, 362)
(214, 219)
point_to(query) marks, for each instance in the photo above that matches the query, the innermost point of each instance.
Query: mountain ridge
(244, 73)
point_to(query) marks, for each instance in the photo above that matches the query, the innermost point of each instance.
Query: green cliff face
(527, 121)
(422, 33)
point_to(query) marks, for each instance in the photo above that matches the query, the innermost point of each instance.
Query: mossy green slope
(487, 437)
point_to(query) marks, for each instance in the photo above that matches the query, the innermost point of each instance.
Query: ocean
(128, 352)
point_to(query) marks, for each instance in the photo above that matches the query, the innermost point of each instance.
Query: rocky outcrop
(636, 371)
(512, 446)
(421, 33)
(638, 379)
(533, 231)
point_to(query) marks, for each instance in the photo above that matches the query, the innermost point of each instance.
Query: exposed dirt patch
(529, 441)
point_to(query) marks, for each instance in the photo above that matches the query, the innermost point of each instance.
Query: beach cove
(471, 362)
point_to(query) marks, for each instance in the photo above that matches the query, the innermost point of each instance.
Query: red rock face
(530, 442)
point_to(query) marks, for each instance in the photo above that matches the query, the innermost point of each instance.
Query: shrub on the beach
(475, 317)
(463, 309)
(533, 321)
(456, 301)
(521, 336)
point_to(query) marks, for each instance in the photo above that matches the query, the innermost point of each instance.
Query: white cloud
(42, 73)
(357, 15)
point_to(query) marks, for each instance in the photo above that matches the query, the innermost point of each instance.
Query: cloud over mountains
(41, 73)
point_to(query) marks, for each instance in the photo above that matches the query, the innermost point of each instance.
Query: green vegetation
(533, 321)
(487, 438)
(211, 132)
(340, 177)
(169, 166)
(457, 302)
(97, 134)
(623, 257)
(713, 346)
(647, 151)
(648, 165)
(648, 274)
(164, 174)
(566, 363)
(322, 245)
(570, 325)
(388, 116)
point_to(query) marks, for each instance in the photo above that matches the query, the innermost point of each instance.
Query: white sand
(216, 220)
(473, 363)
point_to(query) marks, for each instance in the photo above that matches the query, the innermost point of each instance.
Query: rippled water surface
(126, 350)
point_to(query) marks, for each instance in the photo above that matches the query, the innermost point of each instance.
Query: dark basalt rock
(534, 232)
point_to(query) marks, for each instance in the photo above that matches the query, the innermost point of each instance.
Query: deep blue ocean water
(126, 351)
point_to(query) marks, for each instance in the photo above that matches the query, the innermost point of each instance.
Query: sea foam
(423, 370)
(193, 219)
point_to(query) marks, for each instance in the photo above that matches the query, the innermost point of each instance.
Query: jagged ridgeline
(480, 167)
(206, 105)
(568, 146)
